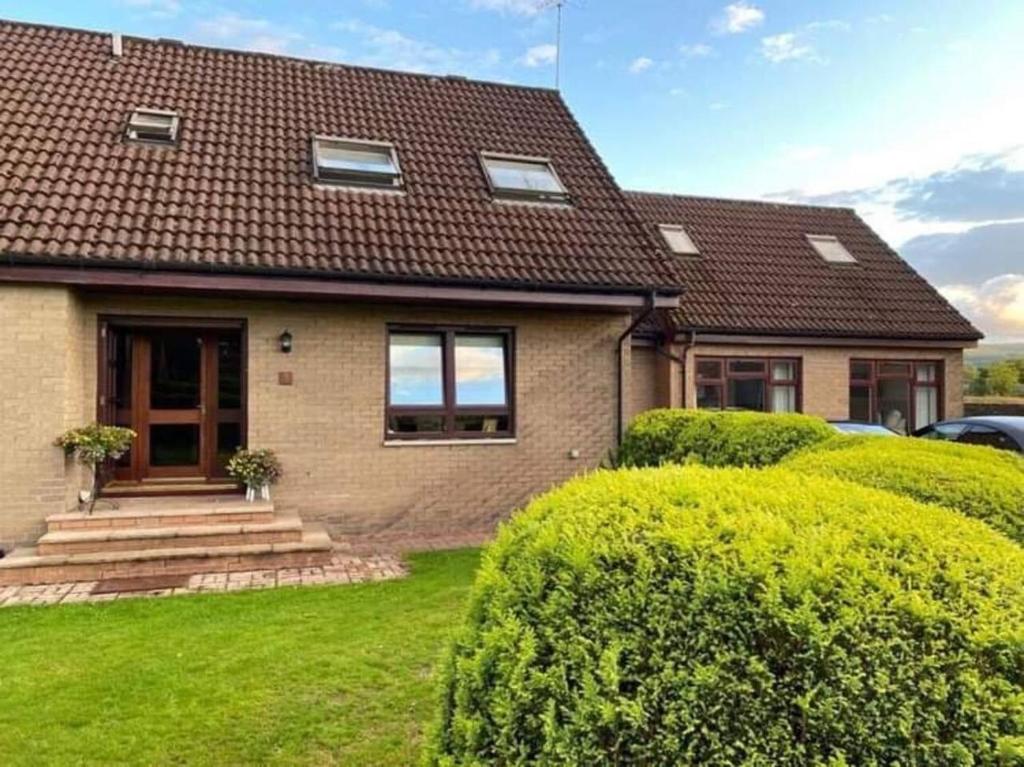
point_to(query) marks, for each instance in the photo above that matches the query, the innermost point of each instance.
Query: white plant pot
(254, 493)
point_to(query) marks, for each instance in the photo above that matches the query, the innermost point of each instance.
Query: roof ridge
(736, 200)
(178, 43)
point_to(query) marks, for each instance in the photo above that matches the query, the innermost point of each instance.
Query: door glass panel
(926, 406)
(229, 439)
(174, 369)
(746, 394)
(894, 404)
(860, 403)
(229, 372)
(174, 444)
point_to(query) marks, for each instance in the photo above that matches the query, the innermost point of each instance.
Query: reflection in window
(416, 369)
(479, 370)
(174, 363)
(901, 395)
(760, 384)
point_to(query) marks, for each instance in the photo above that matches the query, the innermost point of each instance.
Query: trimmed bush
(687, 615)
(718, 438)
(981, 482)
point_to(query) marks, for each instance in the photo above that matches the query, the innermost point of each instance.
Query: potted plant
(258, 469)
(96, 446)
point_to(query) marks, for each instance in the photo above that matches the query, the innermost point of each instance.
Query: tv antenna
(557, 5)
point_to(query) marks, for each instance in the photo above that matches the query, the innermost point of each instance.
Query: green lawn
(316, 675)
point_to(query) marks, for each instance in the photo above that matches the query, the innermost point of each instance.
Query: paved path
(343, 569)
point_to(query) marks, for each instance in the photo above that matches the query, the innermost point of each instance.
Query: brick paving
(344, 568)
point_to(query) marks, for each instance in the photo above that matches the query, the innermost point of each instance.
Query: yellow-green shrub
(687, 615)
(718, 438)
(980, 482)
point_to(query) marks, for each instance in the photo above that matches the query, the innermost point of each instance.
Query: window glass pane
(410, 424)
(709, 397)
(486, 424)
(983, 435)
(747, 366)
(860, 403)
(783, 399)
(417, 376)
(522, 175)
(711, 369)
(894, 369)
(368, 159)
(480, 370)
(860, 371)
(894, 404)
(831, 249)
(783, 370)
(949, 431)
(926, 406)
(174, 444)
(926, 372)
(229, 372)
(678, 240)
(747, 394)
(174, 366)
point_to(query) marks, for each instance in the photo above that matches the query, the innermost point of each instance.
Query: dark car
(1003, 431)
(864, 429)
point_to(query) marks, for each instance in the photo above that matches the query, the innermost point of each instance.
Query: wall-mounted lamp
(286, 342)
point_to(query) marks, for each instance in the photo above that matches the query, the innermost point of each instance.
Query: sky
(912, 111)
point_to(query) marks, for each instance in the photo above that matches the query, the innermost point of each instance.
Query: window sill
(447, 442)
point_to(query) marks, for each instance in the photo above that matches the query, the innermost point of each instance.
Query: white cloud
(249, 33)
(677, 92)
(391, 49)
(996, 306)
(161, 9)
(717, 106)
(640, 64)
(540, 55)
(695, 50)
(518, 7)
(738, 17)
(786, 47)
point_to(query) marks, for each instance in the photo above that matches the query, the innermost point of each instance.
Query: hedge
(687, 615)
(718, 438)
(981, 482)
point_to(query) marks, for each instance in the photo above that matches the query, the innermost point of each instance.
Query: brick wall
(328, 426)
(645, 392)
(40, 373)
(826, 372)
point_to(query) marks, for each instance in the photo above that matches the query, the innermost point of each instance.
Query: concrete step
(281, 529)
(165, 512)
(28, 566)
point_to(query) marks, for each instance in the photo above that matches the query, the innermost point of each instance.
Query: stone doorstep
(25, 566)
(166, 512)
(280, 529)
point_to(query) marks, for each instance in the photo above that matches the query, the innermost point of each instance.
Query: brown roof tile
(237, 192)
(758, 274)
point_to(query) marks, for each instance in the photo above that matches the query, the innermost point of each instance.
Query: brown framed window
(448, 382)
(766, 384)
(903, 395)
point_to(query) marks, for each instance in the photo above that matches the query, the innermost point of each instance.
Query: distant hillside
(986, 354)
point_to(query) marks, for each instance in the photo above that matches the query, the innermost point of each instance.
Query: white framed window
(831, 249)
(523, 178)
(155, 126)
(678, 240)
(355, 162)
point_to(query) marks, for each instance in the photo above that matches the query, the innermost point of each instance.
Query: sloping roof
(758, 274)
(237, 193)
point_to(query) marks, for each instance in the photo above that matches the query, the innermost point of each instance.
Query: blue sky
(912, 112)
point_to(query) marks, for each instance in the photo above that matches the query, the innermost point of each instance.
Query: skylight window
(678, 240)
(523, 178)
(831, 249)
(156, 126)
(356, 163)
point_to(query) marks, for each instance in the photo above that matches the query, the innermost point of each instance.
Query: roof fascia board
(830, 341)
(146, 281)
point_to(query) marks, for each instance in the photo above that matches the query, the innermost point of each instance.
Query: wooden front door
(181, 390)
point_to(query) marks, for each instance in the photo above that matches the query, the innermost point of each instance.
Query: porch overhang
(147, 281)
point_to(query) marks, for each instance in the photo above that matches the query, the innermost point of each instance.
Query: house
(426, 294)
(795, 308)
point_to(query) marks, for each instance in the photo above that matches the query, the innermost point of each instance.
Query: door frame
(104, 409)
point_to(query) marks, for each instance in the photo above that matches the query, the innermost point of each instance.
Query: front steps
(167, 536)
